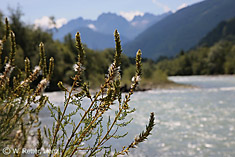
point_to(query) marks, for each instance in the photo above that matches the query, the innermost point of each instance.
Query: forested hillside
(224, 31)
(214, 55)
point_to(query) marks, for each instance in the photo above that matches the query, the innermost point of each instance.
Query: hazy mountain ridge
(96, 40)
(105, 25)
(181, 30)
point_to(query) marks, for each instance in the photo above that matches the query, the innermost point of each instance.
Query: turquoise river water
(196, 121)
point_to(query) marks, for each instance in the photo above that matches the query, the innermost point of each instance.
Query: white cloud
(60, 22)
(182, 6)
(130, 15)
(92, 26)
(161, 5)
(43, 22)
(46, 23)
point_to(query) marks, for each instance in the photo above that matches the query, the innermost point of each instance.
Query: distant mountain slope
(96, 40)
(181, 30)
(105, 25)
(224, 31)
(69, 27)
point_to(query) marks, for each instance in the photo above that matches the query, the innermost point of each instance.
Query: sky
(38, 11)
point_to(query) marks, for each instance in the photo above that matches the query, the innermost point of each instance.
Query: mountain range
(181, 30)
(98, 34)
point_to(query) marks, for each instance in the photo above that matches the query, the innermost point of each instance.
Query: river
(196, 121)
